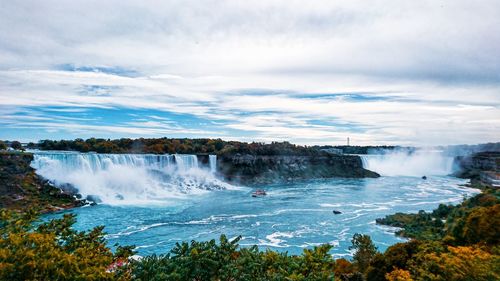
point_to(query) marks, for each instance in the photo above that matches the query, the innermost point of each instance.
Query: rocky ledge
(21, 188)
(482, 167)
(257, 169)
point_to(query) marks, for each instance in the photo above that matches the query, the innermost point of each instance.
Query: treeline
(195, 146)
(4, 145)
(463, 246)
(169, 145)
(349, 149)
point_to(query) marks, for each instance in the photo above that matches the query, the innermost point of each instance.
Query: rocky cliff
(482, 166)
(256, 169)
(21, 188)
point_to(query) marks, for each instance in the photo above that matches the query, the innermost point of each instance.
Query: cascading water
(185, 162)
(212, 160)
(128, 178)
(405, 163)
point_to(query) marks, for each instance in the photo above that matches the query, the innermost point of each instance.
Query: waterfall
(212, 159)
(128, 178)
(186, 162)
(405, 163)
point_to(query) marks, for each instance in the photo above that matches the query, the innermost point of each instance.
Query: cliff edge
(258, 169)
(482, 167)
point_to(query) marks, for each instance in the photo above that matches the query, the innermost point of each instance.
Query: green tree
(396, 256)
(364, 249)
(16, 145)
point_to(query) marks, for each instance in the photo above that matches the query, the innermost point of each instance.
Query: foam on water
(133, 179)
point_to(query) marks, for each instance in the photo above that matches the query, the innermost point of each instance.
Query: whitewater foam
(130, 179)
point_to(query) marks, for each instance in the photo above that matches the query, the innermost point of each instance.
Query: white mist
(405, 163)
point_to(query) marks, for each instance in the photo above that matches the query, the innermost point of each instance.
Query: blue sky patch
(113, 70)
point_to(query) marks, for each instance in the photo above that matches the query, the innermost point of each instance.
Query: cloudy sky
(311, 72)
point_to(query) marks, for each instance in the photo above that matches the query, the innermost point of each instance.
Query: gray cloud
(441, 40)
(431, 68)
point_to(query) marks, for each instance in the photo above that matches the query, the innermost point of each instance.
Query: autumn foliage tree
(456, 263)
(398, 275)
(53, 250)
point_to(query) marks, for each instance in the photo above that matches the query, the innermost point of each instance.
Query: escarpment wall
(255, 169)
(483, 166)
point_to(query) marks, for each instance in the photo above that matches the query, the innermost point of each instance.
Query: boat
(259, 192)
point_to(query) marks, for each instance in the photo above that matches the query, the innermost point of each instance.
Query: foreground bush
(226, 261)
(53, 250)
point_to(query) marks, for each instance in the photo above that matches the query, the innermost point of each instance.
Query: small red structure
(116, 264)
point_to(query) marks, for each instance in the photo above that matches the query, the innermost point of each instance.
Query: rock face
(21, 188)
(256, 169)
(482, 166)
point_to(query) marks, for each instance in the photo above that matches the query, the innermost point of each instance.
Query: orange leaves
(398, 275)
(458, 263)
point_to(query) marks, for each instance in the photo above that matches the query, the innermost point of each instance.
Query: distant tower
(348, 140)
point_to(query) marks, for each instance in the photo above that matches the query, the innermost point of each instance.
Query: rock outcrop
(482, 166)
(21, 188)
(257, 169)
